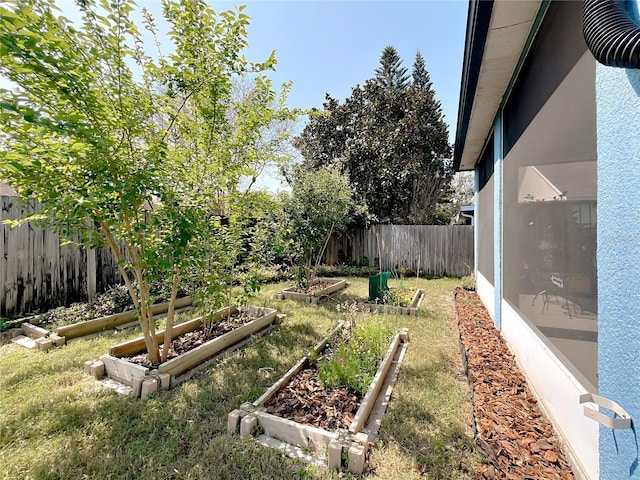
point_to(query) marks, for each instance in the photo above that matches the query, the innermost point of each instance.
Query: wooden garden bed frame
(412, 309)
(329, 447)
(100, 324)
(291, 294)
(144, 380)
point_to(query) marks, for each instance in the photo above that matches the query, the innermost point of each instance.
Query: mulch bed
(316, 287)
(190, 340)
(518, 440)
(305, 400)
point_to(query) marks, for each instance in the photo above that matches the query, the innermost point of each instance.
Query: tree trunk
(168, 332)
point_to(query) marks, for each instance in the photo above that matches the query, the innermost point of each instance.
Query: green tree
(391, 142)
(128, 149)
(317, 206)
(419, 75)
(391, 73)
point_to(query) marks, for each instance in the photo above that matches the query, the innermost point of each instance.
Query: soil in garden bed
(316, 287)
(307, 401)
(190, 340)
(517, 438)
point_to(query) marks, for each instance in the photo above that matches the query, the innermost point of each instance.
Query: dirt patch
(190, 340)
(518, 440)
(305, 400)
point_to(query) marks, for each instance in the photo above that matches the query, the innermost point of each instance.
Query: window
(550, 272)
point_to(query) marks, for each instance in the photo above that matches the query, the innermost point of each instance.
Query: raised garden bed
(96, 325)
(410, 309)
(320, 288)
(348, 438)
(120, 364)
(33, 336)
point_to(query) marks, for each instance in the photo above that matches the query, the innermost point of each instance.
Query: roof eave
(497, 37)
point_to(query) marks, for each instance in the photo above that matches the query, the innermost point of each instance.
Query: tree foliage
(144, 153)
(317, 206)
(390, 139)
(391, 73)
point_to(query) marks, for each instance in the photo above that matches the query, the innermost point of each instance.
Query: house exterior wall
(545, 131)
(618, 107)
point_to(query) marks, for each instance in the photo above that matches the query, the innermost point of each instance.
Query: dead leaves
(518, 440)
(305, 400)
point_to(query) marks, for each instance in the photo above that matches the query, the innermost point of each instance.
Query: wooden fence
(427, 249)
(36, 272)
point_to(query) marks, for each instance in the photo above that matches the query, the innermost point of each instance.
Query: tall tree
(419, 75)
(392, 143)
(391, 73)
(128, 149)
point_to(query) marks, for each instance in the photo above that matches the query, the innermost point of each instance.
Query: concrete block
(136, 386)
(233, 420)
(97, 370)
(24, 341)
(334, 454)
(357, 454)
(165, 380)
(87, 366)
(57, 340)
(44, 344)
(362, 438)
(149, 386)
(247, 424)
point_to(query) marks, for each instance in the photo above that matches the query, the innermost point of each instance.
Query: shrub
(469, 282)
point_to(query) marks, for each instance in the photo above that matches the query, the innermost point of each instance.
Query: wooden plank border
(290, 293)
(412, 309)
(100, 324)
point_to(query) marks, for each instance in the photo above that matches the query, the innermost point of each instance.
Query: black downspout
(611, 33)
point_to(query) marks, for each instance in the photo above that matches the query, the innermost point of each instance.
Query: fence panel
(427, 249)
(36, 272)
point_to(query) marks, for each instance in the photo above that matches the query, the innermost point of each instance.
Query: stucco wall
(618, 113)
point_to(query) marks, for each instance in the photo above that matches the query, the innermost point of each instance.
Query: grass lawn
(57, 423)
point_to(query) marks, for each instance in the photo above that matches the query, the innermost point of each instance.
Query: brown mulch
(316, 287)
(190, 340)
(305, 400)
(510, 429)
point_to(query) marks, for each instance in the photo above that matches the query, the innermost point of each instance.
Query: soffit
(509, 27)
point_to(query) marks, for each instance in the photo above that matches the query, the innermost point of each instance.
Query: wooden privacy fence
(36, 272)
(427, 249)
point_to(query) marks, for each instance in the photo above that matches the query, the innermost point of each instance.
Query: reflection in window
(549, 196)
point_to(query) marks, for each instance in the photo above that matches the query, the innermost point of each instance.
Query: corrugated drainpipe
(611, 33)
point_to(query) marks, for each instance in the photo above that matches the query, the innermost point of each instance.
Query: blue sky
(331, 46)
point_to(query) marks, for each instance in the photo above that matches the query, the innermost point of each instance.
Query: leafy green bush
(354, 364)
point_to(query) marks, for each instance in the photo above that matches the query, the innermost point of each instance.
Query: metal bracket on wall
(623, 419)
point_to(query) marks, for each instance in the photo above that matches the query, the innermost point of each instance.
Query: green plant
(142, 153)
(469, 282)
(353, 364)
(317, 206)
